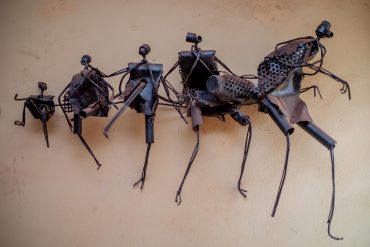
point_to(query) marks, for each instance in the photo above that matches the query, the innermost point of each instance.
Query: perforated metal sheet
(239, 87)
(276, 66)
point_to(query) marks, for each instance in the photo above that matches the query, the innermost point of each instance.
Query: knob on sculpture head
(144, 50)
(85, 60)
(323, 30)
(42, 86)
(193, 38)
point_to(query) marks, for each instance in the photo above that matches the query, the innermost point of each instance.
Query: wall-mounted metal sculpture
(141, 94)
(279, 85)
(87, 95)
(207, 91)
(41, 107)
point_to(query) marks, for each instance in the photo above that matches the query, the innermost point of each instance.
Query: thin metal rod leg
(195, 152)
(44, 127)
(246, 150)
(283, 175)
(143, 174)
(331, 212)
(165, 86)
(23, 123)
(89, 149)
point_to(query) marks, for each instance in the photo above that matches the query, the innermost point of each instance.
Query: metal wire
(283, 175)
(245, 155)
(192, 158)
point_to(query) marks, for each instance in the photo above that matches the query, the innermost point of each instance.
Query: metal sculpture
(279, 85)
(141, 94)
(87, 95)
(207, 92)
(41, 107)
(201, 97)
(280, 75)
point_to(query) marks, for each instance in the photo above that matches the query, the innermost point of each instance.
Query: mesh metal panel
(66, 103)
(239, 87)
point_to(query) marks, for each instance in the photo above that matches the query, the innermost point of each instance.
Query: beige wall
(55, 197)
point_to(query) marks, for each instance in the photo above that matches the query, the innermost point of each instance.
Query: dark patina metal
(209, 92)
(141, 94)
(279, 85)
(87, 95)
(40, 106)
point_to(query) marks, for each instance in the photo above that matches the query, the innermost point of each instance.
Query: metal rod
(132, 96)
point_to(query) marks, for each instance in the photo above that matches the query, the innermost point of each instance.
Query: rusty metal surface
(280, 75)
(207, 91)
(40, 106)
(87, 90)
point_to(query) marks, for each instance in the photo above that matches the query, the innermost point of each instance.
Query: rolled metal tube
(193, 38)
(280, 120)
(318, 134)
(215, 84)
(149, 129)
(77, 124)
(240, 118)
(90, 110)
(230, 88)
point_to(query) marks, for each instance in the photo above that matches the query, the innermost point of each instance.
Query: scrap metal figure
(207, 91)
(87, 95)
(279, 84)
(41, 107)
(141, 94)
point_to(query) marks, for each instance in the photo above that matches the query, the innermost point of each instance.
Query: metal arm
(136, 91)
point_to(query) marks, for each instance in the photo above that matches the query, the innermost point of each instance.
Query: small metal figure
(141, 94)
(86, 95)
(41, 107)
(207, 91)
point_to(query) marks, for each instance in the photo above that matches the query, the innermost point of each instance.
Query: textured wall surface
(55, 196)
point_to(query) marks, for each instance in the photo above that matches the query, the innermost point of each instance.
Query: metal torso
(205, 67)
(194, 78)
(38, 103)
(87, 88)
(276, 66)
(146, 103)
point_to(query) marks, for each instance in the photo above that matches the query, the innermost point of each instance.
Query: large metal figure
(279, 85)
